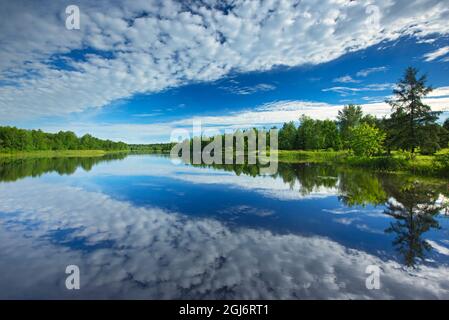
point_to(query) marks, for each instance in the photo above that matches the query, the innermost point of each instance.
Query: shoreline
(59, 153)
(397, 162)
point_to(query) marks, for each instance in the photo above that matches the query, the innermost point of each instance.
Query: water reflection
(412, 203)
(129, 245)
(12, 169)
(355, 187)
(414, 209)
(153, 253)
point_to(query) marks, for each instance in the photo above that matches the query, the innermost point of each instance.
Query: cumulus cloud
(125, 48)
(126, 251)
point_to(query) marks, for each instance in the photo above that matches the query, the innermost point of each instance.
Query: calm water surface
(142, 227)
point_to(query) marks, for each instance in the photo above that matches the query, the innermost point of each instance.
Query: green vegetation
(317, 134)
(14, 140)
(397, 161)
(410, 140)
(413, 122)
(366, 140)
(412, 126)
(163, 148)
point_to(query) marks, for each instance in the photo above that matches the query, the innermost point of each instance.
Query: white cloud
(126, 251)
(146, 115)
(368, 71)
(346, 79)
(245, 90)
(345, 91)
(431, 56)
(439, 248)
(266, 115)
(147, 46)
(439, 92)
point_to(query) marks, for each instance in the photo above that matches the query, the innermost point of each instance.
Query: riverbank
(57, 153)
(397, 162)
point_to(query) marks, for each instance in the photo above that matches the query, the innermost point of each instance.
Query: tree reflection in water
(414, 208)
(413, 205)
(12, 169)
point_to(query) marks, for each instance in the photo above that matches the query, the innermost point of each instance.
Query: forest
(14, 139)
(412, 126)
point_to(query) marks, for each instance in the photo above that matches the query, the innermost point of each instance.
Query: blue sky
(136, 71)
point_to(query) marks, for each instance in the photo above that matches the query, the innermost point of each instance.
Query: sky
(137, 70)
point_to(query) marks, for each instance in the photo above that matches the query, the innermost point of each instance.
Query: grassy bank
(56, 153)
(298, 156)
(435, 165)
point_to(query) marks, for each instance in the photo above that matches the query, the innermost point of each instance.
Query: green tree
(308, 139)
(349, 117)
(371, 120)
(434, 138)
(288, 136)
(366, 140)
(14, 139)
(412, 119)
(444, 134)
(446, 124)
(331, 135)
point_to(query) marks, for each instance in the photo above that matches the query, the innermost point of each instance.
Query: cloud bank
(124, 48)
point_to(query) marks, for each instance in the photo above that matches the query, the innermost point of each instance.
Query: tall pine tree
(412, 121)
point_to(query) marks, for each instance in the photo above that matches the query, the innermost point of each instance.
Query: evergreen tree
(412, 120)
(444, 134)
(446, 124)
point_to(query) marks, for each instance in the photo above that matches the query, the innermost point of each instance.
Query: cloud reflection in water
(126, 251)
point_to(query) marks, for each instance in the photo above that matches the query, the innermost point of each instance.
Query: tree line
(15, 139)
(152, 147)
(411, 126)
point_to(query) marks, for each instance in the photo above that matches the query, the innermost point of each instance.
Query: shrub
(441, 162)
(366, 140)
